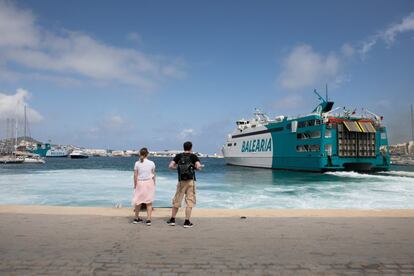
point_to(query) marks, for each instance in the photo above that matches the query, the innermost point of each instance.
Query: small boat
(78, 154)
(34, 160)
(29, 157)
(11, 160)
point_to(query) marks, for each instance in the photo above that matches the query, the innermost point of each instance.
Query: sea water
(105, 181)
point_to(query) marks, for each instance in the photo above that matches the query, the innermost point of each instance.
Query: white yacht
(78, 154)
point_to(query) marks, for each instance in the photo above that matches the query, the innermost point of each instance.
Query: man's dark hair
(188, 146)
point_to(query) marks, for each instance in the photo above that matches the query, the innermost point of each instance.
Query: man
(186, 163)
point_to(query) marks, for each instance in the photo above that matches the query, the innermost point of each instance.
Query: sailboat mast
(15, 135)
(412, 123)
(25, 123)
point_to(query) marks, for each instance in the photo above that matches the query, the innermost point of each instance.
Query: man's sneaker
(148, 222)
(137, 220)
(171, 222)
(188, 224)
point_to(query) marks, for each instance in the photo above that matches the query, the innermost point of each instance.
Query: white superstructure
(251, 143)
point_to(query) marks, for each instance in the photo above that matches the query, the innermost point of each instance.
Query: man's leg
(178, 198)
(190, 199)
(174, 211)
(188, 212)
(176, 202)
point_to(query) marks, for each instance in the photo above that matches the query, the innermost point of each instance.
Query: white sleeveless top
(145, 169)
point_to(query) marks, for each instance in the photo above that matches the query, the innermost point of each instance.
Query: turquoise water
(102, 181)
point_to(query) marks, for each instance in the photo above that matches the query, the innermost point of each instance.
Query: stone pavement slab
(36, 244)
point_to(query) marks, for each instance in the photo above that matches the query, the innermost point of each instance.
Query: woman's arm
(154, 176)
(135, 178)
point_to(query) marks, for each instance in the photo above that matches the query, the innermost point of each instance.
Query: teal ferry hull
(286, 156)
(315, 142)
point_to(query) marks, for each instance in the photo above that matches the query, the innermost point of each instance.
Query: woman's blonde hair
(143, 153)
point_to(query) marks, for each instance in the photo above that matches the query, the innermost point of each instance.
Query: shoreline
(209, 213)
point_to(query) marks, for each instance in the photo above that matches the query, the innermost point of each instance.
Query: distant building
(410, 148)
(402, 149)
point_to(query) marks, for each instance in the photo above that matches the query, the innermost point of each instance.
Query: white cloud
(389, 34)
(407, 24)
(347, 50)
(187, 133)
(114, 122)
(108, 128)
(75, 55)
(304, 67)
(12, 106)
(289, 102)
(16, 27)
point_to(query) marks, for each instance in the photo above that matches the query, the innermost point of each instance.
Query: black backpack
(185, 168)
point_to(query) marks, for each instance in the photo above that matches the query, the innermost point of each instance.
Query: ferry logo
(257, 145)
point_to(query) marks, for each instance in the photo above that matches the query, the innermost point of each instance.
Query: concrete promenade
(98, 241)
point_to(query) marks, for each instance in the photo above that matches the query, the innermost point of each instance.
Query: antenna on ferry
(326, 91)
(319, 96)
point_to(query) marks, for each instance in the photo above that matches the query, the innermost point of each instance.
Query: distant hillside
(19, 139)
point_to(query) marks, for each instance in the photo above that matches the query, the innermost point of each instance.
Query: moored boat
(11, 160)
(34, 160)
(29, 157)
(78, 154)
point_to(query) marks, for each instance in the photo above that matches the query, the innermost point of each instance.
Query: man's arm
(198, 166)
(172, 165)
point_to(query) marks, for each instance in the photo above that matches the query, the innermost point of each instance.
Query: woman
(144, 185)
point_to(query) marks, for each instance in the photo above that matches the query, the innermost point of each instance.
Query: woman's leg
(149, 211)
(137, 208)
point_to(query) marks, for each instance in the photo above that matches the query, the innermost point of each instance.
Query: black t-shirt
(193, 158)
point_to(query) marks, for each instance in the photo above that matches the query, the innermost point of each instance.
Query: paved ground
(36, 244)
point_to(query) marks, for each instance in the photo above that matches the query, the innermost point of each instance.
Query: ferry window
(288, 126)
(234, 144)
(308, 135)
(328, 133)
(308, 148)
(301, 148)
(229, 144)
(309, 123)
(314, 148)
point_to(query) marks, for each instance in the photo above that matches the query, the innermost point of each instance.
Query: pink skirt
(144, 192)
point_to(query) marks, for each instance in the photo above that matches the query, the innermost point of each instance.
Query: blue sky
(128, 74)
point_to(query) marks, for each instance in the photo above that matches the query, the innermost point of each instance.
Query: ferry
(46, 150)
(319, 141)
